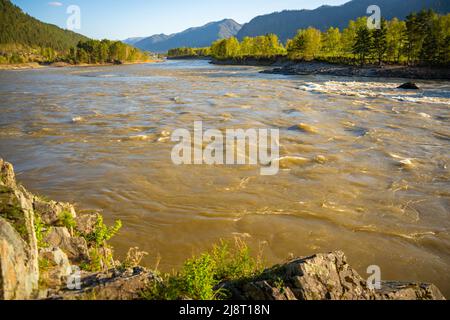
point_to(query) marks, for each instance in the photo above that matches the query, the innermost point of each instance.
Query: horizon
(140, 18)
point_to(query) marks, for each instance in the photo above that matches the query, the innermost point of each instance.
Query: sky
(118, 20)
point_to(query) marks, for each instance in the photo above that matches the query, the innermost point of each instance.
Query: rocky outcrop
(76, 248)
(323, 277)
(19, 271)
(112, 285)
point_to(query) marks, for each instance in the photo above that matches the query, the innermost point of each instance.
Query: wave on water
(378, 90)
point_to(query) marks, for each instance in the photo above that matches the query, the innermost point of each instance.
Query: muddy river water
(364, 166)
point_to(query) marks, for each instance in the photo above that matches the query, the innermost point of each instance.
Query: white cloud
(55, 4)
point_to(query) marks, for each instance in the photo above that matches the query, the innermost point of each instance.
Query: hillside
(193, 37)
(133, 41)
(285, 24)
(19, 28)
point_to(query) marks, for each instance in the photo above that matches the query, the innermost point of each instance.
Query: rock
(76, 248)
(51, 212)
(18, 274)
(16, 207)
(409, 291)
(409, 86)
(111, 285)
(322, 277)
(57, 267)
(7, 177)
(86, 223)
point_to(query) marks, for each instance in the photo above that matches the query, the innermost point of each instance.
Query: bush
(201, 276)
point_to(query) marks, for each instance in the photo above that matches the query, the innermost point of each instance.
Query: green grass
(200, 277)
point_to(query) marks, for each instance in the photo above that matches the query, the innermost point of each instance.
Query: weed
(200, 276)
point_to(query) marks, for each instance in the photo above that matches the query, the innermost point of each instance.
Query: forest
(421, 39)
(25, 39)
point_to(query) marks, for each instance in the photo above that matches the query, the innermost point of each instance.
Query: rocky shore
(287, 67)
(387, 71)
(49, 251)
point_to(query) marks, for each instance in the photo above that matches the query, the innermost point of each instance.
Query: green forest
(25, 39)
(422, 39)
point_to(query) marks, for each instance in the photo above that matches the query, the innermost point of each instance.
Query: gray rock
(58, 267)
(76, 248)
(16, 207)
(409, 86)
(86, 223)
(111, 285)
(18, 275)
(323, 277)
(51, 212)
(394, 290)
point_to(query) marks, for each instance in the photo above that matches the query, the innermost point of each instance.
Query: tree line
(422, 39)
(104, 51)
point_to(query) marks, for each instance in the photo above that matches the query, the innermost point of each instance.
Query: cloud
(55, 4)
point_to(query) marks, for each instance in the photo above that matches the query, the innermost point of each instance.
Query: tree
(305, 45)
(363, 44)
(395, 39)
(331, 43)
(379, 42)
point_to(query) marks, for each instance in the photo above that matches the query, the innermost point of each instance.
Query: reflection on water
(365, 167)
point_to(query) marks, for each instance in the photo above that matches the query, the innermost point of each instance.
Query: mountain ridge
(201, 36)
(286, 23)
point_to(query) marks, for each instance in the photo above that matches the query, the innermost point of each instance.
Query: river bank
(287, 67)
(49, 251)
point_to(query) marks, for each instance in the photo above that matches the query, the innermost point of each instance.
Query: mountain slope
(193, 37)
(132, 41)
(16, 27)
(285, 24)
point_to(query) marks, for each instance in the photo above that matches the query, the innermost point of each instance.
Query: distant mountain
(285, 24)
(132, 41)
(16, 27)
(193, 37)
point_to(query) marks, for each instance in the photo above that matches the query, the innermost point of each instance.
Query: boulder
(409, 86)
(323, 277)
(112, 285)
(86, 223)
(16, 208)
(51, 212)
(18, 274)
(394, 290)
(76, 248)
(57, 267)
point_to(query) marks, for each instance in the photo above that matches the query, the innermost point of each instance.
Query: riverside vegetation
(43, 242)
(422, 39)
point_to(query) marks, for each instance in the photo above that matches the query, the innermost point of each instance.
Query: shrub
(201, 276)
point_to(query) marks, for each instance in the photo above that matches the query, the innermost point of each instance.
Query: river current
(364, 166)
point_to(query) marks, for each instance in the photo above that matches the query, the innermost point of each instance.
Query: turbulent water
(365, 166)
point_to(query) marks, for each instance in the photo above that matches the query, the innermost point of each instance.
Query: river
(367, 172)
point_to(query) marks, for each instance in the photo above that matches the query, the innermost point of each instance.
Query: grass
(201, 276)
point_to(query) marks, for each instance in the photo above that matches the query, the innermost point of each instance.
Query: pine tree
(379, 42)
(363, 44)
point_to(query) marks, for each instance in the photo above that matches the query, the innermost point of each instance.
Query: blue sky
(122, 19)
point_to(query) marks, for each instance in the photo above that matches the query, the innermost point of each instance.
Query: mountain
(132, 41)
(285, 24)
(193, 37)
(16, 27)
